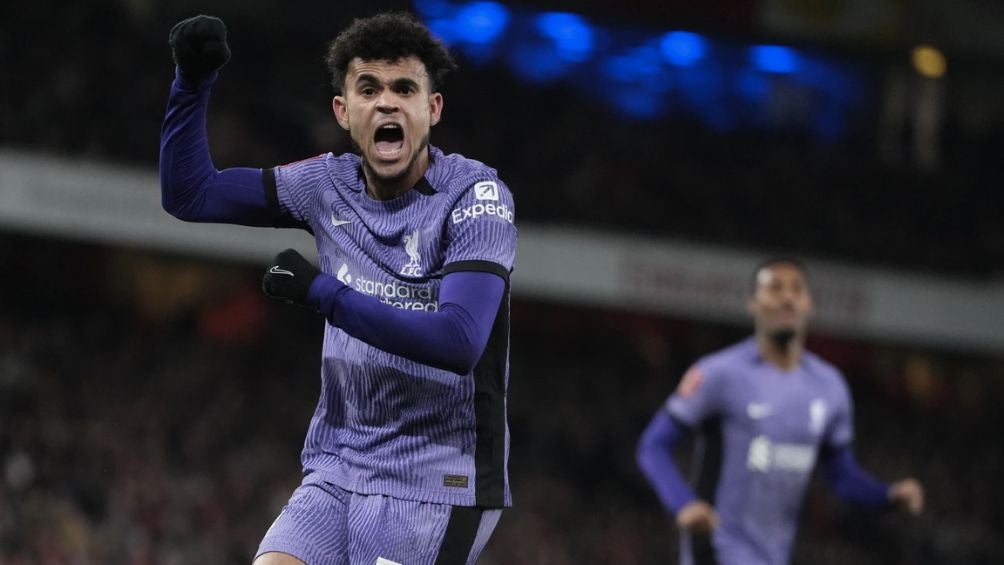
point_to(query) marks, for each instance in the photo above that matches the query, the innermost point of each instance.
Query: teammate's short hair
(774, 261)
(388, 37)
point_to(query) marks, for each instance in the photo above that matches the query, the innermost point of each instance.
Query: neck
(380, 188)
(782, 353)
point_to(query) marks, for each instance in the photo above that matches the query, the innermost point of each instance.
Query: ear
(751, 307)
(341, 111)
(435, 108)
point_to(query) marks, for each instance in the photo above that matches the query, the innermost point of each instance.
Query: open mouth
(389, 140)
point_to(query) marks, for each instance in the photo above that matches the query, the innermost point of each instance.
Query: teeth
(390, 126)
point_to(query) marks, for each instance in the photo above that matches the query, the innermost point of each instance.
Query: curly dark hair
(388, 37)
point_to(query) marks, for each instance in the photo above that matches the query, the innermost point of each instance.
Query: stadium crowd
(136, 432)
(568, 158)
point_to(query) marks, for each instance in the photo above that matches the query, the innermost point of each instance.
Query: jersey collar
(425, 185)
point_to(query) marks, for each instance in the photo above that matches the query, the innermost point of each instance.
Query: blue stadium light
(840, 85)
(639, 104)
(431, 9)
(481, 22)
(538, 63)
(639, 64)
(445, 29)
(705, 92)
(620, 69)
(683, 48)
(571, 33)
(774, 58)
(752, 86)
(706, 85)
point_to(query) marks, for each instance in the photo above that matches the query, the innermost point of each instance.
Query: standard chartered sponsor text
(765, 455)
(398, 295)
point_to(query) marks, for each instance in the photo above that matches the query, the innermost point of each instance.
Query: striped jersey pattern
(385, 424)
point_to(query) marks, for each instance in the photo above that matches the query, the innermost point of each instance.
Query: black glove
(289, 278)
(199, 45)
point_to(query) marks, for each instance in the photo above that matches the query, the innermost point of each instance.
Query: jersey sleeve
(293, 190)
(481, 230)
(840, 430)
(699, 396)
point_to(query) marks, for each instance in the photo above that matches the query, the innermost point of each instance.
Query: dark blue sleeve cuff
(184, 82)
(850, 482)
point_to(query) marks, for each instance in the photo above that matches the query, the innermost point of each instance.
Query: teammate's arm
(655, 458)
(852, 483)
(849, 481)
(191, 187)
(453, 338)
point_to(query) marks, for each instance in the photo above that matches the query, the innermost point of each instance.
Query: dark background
(153, 404)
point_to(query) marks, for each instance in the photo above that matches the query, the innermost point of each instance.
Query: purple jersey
(771, 425)
(385, 424)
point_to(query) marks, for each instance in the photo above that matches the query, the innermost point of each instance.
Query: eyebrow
(368, 79)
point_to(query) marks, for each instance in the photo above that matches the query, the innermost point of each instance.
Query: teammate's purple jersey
(771, 424)
(385, 424)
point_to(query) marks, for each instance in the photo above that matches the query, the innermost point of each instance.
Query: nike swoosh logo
(337, 222)
(277, 271)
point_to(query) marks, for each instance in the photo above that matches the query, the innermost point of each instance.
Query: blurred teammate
(767, 410)
(405, 458)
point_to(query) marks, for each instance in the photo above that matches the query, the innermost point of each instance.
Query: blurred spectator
(93, 81)
(126, 439)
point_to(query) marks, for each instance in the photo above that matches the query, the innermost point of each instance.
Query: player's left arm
(851, 482)
(452, 338)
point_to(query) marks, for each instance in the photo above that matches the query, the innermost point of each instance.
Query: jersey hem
(386, 488)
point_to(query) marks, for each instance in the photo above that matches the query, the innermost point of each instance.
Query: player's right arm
(655, 458)
(191, 187)
(688, 407)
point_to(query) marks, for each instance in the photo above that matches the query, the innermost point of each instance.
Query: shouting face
(388, 109)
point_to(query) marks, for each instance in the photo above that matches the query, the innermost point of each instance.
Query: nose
(387, 103)
(788, 297)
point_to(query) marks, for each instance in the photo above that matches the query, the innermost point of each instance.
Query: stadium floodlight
(683, 48)
(572, 35)
(481, 22)
(928, 61)
(433, 9)
(445, 29)
(774, 58)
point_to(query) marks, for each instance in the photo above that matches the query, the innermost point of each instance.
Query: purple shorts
(323, 524)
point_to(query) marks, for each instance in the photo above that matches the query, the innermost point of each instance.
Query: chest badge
(413, 268)
(817, 416)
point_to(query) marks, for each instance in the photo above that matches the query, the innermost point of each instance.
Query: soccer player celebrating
(773, 409)
(405, 457)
